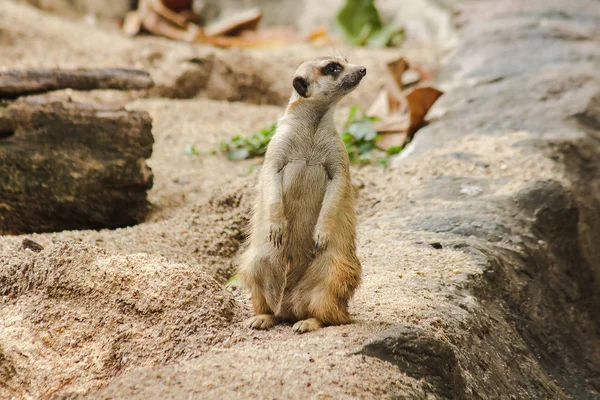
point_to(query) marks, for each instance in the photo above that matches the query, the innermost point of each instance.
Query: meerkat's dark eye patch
(332, 69)
(301, 86)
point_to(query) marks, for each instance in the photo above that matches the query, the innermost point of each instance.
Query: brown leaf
(157, 13)
(158, 19)
(245, 20)
(393, 85)
(401, 112)
(420, 101)
(320, 37)
(178, 5)
(396, 68)
(318, 33)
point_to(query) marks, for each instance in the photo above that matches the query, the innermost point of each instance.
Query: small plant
(361, 140)
(361, 25)
(241, 148)
(190, 150)
(358, 136)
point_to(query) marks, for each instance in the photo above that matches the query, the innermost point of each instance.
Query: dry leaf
(393, 130)
(390, 140)
(420, 101)
(396, 68)
(401, 112)
(393, 124)
(380, 108)
(171, 19)
(156, 17)
(393, 85)
(150, 9)
(245, 20)
(178, 5)
(320, 37)
(318, 33)
(132, 25)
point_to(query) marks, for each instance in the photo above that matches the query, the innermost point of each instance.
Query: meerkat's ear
(301, 86)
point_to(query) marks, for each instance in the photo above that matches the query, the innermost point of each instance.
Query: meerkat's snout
(353, 77)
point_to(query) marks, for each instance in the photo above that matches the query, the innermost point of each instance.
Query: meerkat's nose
(363, 71)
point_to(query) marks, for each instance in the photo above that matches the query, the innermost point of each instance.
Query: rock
(67, 165)
(421, 355)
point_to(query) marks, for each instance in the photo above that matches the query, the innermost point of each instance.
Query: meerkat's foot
(307, 325)
(321, 239)
(262, 322)
(276, 231)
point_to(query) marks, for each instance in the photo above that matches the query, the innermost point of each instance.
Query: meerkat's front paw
(321, 240)
(276, 230)
(307, 325)
(262, 322)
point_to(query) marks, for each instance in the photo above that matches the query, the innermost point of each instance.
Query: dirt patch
(103, 314)
(207, 236)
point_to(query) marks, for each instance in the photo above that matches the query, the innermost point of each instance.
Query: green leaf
(190, 150)
(383, 162)
(360, 140)
(364, 159)
(241, 148)
(394, 150)
(362, 130)
(351, 116)
(366, 147)
(233, 283)
(347, 138)
(238, 154)
(254, 167)
(389, 35)
(357, 20)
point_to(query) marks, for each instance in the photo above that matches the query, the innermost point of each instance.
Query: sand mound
(80, 315)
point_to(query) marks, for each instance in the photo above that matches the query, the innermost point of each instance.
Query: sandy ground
(119, 347)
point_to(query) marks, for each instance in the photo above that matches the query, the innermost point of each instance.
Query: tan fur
(301, 262)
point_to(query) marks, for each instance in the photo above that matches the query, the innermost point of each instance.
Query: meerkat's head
(326, 79)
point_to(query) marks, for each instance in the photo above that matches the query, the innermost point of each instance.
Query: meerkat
(301, 264)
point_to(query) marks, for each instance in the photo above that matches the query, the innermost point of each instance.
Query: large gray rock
(523, 67)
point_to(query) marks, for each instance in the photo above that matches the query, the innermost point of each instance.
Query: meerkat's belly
(304, 188)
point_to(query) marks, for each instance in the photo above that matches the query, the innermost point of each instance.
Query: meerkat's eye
(332, 69)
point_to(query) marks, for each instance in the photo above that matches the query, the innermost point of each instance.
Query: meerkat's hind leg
(261, 322)
(307, 325)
